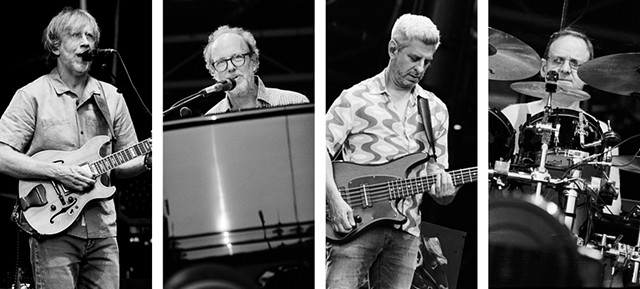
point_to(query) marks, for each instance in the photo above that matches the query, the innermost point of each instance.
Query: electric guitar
(49, 207)
(371, 190)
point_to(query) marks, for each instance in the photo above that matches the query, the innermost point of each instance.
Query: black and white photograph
(564, 139)
(75, 145)
(401, 144)
(238, 144)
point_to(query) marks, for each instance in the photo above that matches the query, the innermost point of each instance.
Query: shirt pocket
(56, 133)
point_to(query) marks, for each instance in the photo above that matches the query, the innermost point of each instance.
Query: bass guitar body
(365, 181)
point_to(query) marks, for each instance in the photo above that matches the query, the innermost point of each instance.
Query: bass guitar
(371, 190)
(49, 207)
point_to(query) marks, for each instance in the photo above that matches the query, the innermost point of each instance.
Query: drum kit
(564, 150)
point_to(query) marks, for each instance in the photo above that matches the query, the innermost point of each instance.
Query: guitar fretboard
(113, 160)
(408, 187)
(367, 194)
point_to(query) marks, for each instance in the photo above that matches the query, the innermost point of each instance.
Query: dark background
(125, 26)
(284, 34)
(613, 29)
(357, 36)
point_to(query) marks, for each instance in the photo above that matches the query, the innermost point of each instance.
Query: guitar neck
(113, 160)
(407, 187)
(401, 188)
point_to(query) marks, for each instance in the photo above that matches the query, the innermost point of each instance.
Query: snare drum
(561, 153)
(501, 137)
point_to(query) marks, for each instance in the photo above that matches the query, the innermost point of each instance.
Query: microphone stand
(184, 101)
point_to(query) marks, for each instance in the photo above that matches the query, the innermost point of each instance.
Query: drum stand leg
(541, 173)
(571, 193)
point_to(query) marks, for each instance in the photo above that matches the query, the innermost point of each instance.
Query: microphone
(227, 84)
(551, 81)
(581, 128)
(101, 52)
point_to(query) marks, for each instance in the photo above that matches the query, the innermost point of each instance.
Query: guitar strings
(380, 192)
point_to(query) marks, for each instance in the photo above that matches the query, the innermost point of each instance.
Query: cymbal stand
(545, 129)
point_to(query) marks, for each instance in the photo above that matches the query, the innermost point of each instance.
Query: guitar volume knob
(357, 218)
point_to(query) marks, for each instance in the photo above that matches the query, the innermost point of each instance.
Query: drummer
(566, 51)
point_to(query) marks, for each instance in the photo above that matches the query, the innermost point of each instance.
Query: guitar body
(351, 176)
(62, 206)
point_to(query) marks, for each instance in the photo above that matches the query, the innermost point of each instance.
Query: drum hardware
(633, 212)
(545, 129)
(571, 193)
(510, 58)
(624, 257)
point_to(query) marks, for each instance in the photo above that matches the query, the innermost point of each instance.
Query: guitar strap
(101, 102)
(425, 112)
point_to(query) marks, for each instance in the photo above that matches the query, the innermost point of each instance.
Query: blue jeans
(384, 257)
(69, 262)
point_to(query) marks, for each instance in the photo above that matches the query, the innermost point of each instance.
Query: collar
(263, 96)
(92, 87)
(379, 87)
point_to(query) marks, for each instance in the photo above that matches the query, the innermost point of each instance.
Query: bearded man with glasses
(231, 53)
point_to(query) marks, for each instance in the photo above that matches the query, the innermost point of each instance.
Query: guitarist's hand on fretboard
(339, 213)
(74, 177)
(443, 191)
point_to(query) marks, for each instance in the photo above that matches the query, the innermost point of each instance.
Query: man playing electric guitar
(63, 110)
(376, 122)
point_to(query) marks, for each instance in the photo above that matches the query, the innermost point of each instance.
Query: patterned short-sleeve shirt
(364, 124)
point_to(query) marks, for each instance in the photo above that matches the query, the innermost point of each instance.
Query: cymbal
(537, 89)
(616, 73)
(510, 58)
(626, 163)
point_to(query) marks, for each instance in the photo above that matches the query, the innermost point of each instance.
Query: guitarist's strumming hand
(442, 191)
(73, 177)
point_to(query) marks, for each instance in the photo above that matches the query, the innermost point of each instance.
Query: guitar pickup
(37, 197)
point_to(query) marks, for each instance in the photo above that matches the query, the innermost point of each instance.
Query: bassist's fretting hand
(339, 212)
(443, 191)
(74, 177)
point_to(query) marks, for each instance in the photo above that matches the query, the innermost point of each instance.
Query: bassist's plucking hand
(340, 213)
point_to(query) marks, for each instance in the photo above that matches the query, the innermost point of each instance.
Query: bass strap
(425, 112)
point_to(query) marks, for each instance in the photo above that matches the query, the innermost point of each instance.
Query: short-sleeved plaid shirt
(365, 125)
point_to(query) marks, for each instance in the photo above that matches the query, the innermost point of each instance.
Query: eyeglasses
(559, 61)
(237, 61)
